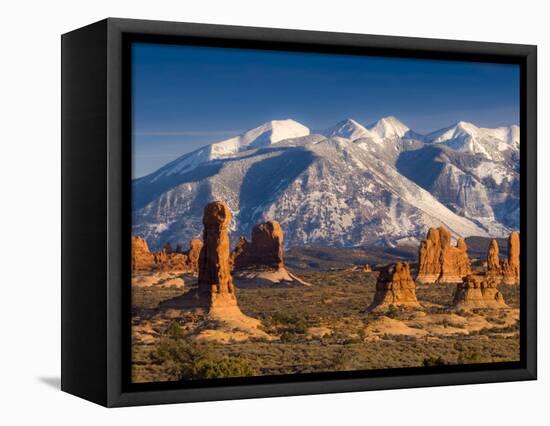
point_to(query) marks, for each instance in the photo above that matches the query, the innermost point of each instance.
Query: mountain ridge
(333, 186)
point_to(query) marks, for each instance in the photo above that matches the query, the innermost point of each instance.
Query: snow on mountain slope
(349, 197)
(389, 127)
(350, 185)
(267, 134)
(470, 185)
(326, 191)
(489, 143)
(349, 129)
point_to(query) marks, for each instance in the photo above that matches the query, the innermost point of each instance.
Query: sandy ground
(158, 279)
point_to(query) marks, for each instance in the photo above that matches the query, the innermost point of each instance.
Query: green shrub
(472, 357)
(183, 360)
(174, 330)
(287, 324)
(434, 362)
(226, 367)
(392, 311)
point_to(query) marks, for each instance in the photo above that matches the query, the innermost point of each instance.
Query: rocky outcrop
(260, 262)
(265, 248)
(166, 260)
(494, 269)
(366, 268)
(192, 255)
(215, 301)
(395, 287)
(455, 264)
(429, 257)
(215, 283)
(441, 262)
(510, 266)
(239, 251)
(142, 258)
(477, 292)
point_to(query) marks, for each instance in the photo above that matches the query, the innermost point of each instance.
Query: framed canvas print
(253, 212)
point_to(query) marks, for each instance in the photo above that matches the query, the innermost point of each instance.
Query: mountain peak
(348, 128)
(272, 132)
(467, 127)
(461, 130)
(350, 121)
(280, 129)
(389, 127)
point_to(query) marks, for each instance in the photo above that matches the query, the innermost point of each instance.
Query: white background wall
(30, 211)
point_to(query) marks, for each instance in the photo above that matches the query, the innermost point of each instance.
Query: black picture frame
(96, 217)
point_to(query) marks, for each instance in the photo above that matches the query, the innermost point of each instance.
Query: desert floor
(318, 329)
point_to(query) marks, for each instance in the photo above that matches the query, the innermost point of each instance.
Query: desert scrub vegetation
(336, 301)
(151, 297)
(471, 357)
(436, 293)
(510, 294)
(280, 322)
(184, 360)
(434, 361)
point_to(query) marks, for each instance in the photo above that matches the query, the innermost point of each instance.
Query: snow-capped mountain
(389, 128)
(388, 138)
(347, 185)
(493, 144)
(264, 135)
(349, 129)
(485, 191)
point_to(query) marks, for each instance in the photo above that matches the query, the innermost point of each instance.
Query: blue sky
(185, 97)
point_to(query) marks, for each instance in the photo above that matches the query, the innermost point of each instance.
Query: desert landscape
(285, 251)
(212, 312)
(285, 221)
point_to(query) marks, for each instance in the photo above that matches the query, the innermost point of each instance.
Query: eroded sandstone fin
(429, 257)
(215, 300)
(192, 255)
(216, 287)
(494, 269)
(260, 262)
(395, 287)
(478, 291)
(265, 248)
(441, 262)
(511, 266)
(142, 258)
(165, 260)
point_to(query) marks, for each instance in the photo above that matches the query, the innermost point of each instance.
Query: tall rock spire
(215, 282)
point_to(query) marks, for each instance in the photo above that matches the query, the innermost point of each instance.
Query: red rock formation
(366, 268)
(510, 267)
(260, 262)
(142, 258)
(265, 249)
(214, 302)
(166, 259)
(239, 251)
(493, 261)
(429, 257)
(161, 258)
(192, 256)
(216, 288)
(395, 287)
(477, 291)
(455, 264)
(439, 261)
